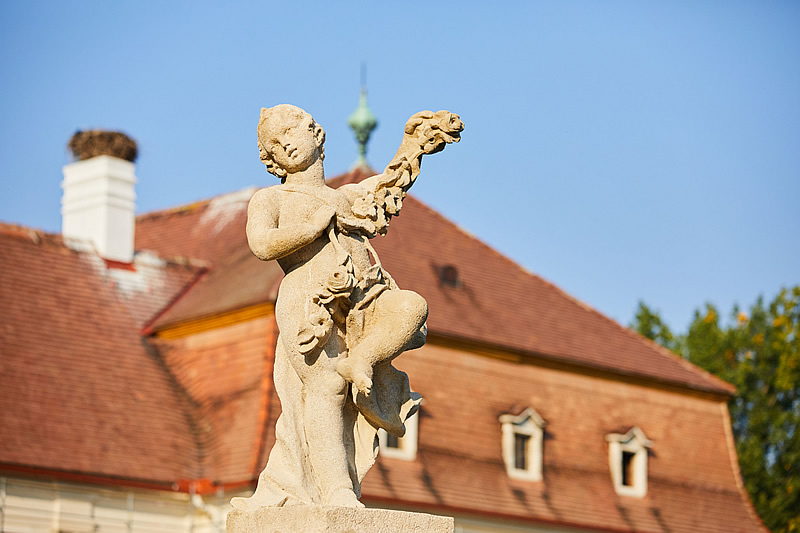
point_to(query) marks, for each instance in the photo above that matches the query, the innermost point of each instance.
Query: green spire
(363, 122)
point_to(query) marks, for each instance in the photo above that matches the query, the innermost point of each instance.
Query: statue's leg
(325, 394)
(322, 394)
(394, 324)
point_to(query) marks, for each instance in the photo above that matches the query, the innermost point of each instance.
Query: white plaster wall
(31, 506)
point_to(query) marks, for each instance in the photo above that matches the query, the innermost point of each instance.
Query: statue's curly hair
(267, 115)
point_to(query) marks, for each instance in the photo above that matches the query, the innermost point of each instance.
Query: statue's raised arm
(377, 199)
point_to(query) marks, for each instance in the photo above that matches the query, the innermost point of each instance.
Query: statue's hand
(322, 218)
(348, 225)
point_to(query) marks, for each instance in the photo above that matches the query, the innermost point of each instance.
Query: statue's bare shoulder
(271, 205)
(265, 198)
(264, 208)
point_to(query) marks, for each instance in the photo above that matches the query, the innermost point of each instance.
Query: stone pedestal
(301, 519)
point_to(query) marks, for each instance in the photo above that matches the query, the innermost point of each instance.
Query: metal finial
(362, 121)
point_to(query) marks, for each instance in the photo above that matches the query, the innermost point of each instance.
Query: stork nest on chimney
(91, 143)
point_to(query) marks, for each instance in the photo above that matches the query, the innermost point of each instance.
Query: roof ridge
(193, 206)
(356, 174)
(716, 382)
(185, 400)
(29, 232)
(148, 329)
(36, 236)
(175, 260)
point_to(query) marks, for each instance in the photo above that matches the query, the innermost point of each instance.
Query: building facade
(136, 386)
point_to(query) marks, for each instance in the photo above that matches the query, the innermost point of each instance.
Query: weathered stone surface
(342, 318)
(335, 520)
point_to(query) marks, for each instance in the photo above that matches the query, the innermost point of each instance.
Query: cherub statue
(342, 319)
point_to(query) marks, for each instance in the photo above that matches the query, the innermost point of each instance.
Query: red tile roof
(80, 390)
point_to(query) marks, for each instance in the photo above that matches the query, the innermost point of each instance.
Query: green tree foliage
(759, 353)
(649, 324)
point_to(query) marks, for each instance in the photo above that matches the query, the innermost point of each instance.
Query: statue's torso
(297, 205)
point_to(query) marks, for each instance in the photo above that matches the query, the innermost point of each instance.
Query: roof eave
(557, 362)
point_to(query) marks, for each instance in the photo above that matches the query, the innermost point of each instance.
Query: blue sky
(622, 150)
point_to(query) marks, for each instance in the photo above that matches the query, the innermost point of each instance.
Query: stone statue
(342, 318)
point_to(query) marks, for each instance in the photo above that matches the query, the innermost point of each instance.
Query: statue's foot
(241, 504)
(256, 501)
(343, 498)
(358, 372)
(363, 383)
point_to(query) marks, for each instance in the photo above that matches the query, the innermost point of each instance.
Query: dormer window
(522, 437)
(405, 447)
(449, 277)
(627, 460)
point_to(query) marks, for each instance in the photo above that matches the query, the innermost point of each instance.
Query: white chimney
(98, 202)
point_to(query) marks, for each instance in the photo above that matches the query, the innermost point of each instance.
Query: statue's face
(293, 140)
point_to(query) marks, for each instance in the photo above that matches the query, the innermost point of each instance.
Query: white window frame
(407, 450)
(530, 424)
(635, 442)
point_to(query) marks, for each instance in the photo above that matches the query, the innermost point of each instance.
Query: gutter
(201, 486)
